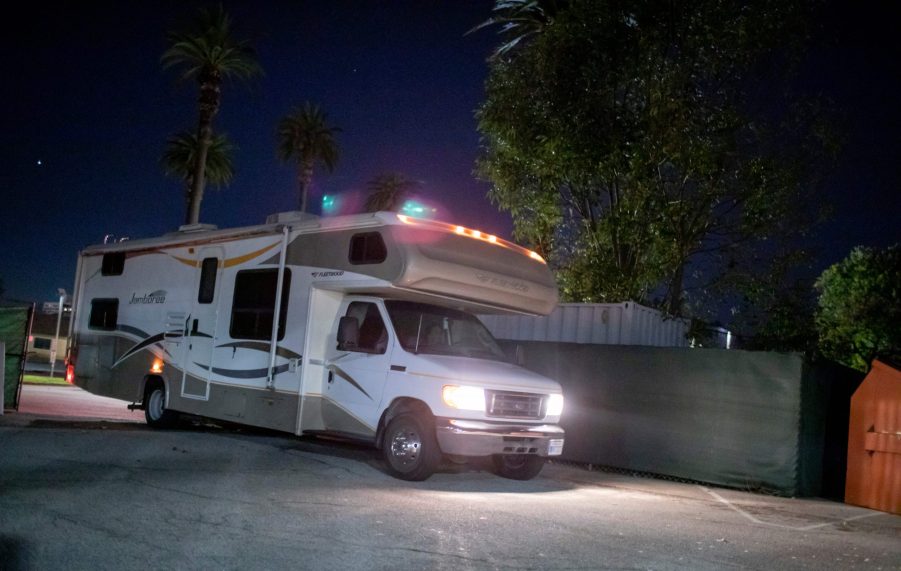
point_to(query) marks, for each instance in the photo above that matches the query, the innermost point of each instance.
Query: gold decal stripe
(231, 261)
(241, 259)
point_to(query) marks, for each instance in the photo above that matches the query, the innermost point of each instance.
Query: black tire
(155, 412)
(410, 448)
(517, 466)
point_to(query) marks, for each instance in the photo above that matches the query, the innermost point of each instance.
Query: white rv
(373, 339)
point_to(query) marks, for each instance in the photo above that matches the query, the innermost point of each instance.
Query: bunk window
(104, 314)
(367, 248)
(113, 264)
(253, 307)
(207, 290)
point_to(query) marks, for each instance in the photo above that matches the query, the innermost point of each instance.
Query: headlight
(554, 405)
(464, 398)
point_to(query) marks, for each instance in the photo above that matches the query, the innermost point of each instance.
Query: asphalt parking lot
(88, 485)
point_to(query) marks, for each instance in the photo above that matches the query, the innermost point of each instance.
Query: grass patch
(45, 380)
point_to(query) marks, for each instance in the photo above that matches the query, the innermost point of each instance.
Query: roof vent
(290, 216)
(188, 228)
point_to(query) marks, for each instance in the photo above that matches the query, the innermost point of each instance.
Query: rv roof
(199, 235)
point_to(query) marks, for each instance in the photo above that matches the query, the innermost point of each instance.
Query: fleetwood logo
(502, 282)
(158, 296)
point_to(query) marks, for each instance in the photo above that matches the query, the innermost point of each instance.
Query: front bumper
(478, 438)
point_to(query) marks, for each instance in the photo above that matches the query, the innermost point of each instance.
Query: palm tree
(519, 20)
(305, 137)
(388, 191)
(180, 158)
(209, 55)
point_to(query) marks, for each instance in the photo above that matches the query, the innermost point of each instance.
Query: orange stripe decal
(241, 259)
(230, 261)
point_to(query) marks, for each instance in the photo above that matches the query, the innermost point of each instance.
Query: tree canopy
(858, 316)
(209, 54)
(180, 158)
(650, 148)
(387, 191)
(305, 136)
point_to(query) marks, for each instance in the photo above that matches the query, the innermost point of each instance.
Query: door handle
(331, 376)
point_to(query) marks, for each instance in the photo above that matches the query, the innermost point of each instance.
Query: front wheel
(410, 448)
(155, 411)
(517, 466)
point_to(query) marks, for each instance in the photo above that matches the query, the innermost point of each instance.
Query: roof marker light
(463, 231)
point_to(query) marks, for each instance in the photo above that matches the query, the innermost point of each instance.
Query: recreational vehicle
(358, 326)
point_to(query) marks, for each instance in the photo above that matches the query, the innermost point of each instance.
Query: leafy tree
(636, 147)
(388, 191)
(209, 55)
(305, 136)
(180, 158)
(859, 312)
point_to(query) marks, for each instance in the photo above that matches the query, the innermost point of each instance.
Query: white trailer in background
(373, 338)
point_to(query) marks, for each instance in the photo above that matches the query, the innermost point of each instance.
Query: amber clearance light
(157, 366)
(475, 234)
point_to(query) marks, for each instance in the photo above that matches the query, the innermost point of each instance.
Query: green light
(328, 203)
(413, 208)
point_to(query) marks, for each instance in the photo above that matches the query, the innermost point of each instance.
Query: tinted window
(253, 307)
(373, 334)
(41, 343)
(104, 313)
(113, 264)
(208, 269)
(367, 248)
(424, 328)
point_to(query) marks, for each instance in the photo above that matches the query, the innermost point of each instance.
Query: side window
(41, 343)
(367, 248)
(113, 264)
(104, 314)
(253, 307)
(373, 334)
(208, 269)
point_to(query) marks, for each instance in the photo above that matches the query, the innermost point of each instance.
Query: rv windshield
(424, 328)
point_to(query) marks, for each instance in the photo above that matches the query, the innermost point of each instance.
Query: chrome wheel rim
(405, 448)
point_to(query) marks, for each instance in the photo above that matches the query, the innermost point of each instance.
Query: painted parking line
(751, 518)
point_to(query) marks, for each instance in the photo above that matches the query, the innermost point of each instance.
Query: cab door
(356, 372)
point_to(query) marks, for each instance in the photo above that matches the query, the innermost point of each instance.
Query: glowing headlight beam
(464, 398)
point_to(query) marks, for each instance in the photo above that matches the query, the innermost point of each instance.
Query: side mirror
(348, 333)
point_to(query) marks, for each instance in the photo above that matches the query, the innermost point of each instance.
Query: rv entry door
(201, 325)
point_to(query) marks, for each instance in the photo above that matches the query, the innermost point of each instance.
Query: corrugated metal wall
(625, 323)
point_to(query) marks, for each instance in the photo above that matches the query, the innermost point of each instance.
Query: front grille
(515, 405)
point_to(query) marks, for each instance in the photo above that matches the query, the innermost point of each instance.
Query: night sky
(87, 109)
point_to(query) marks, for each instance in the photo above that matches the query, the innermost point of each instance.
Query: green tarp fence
(754, 420)
(15, 323)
